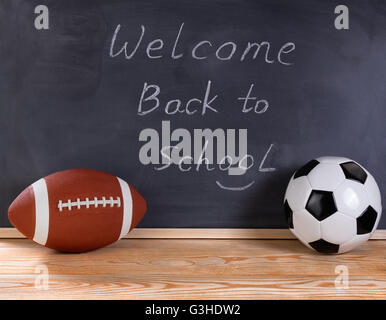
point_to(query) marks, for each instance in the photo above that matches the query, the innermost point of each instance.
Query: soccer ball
(332, 204)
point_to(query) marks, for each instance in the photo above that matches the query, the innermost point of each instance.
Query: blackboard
(70, 97)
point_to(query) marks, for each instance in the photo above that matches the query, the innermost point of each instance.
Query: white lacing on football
(95, 203)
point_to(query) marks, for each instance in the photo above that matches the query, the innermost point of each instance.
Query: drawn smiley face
(247, 183)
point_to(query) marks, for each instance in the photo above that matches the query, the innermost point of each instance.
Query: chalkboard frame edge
(199, 233)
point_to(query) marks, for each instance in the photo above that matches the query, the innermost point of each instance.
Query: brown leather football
(77, 210)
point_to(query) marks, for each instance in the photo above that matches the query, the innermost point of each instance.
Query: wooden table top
(192, 269)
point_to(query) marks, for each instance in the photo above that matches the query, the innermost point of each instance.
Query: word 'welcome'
(200, 50)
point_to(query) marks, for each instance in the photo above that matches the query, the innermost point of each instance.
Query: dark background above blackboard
(65, 103)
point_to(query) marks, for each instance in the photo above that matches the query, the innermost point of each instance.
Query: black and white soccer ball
(332, 204)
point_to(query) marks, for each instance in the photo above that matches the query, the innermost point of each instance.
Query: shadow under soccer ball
(332, 205)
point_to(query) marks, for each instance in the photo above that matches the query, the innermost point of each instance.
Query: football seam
(87, 203)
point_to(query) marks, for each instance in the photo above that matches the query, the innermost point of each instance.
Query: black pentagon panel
(306, 169)
(321, 204)
(366, 221)
(288, 214)
(354, 172)
(323, 246)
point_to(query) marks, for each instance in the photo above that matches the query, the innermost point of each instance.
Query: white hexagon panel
(351, 198)
(338, 228)
(297, 193)
(353, 243)
(306, 226)
(373, 193)
(326, 176)
(335, 160)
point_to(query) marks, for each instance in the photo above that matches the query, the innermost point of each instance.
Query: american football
(332, 204)
(77, 210)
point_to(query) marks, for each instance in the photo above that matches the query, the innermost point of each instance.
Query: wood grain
(191, 269)
(196, 233)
